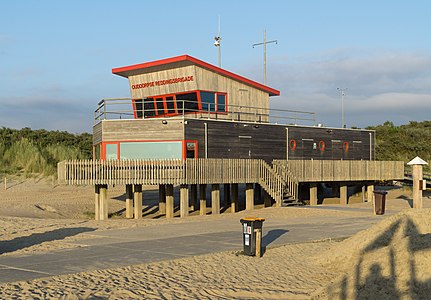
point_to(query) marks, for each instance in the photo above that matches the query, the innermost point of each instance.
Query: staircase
(279, 183)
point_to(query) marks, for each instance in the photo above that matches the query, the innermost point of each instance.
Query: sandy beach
(389, 260)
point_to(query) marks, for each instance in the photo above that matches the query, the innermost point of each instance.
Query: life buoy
(292, 144)
(346, 146)
(322, 146)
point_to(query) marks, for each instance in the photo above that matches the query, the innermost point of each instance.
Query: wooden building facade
(182, 107)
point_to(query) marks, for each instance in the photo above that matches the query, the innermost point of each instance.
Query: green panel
(151, 150)
(111, 151)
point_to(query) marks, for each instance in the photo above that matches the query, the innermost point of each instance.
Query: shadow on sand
(38, 238)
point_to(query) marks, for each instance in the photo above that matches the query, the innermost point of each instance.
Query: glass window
(221, 102)
(111, 151)
(170, 105)
(151, 150)
(208, 101)
(149, 109)
(160, 106)
(138, 108)
(190, 101)
(96, 152)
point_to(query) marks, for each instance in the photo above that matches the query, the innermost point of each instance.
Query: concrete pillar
(169, 201)
(234, 198)
(215, 199)
(103, 202)
(226, 195)
(417, 174)
(97, 202)
(313, 193)
(249, 196)
(343, 194)
(370, 193)
(129, 201)
(267, 199)
(184, 200)
(162, 199)
(137, 199)
(364, 199)
(202, 199)
(193, 197)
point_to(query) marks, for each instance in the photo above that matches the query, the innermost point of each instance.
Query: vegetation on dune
(403, 142)
(28, 151)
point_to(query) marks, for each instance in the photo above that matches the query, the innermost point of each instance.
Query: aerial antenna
(217, 39)
(264, 53)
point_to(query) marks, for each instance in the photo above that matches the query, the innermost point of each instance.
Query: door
(244, 149)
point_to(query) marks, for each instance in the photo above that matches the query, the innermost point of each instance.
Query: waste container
(379, 202)
(252, 235)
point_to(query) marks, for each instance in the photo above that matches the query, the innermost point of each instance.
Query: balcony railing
(123, 108)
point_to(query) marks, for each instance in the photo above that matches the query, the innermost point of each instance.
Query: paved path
(116, 248)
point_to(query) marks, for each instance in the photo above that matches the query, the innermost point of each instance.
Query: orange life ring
(322, 146)
(346, 146)
(292, 144)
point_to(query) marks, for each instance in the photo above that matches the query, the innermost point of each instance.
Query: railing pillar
(169, 201)
(129, 201)
(137, 198)
(249, 196)
(313, 193)
(215, 199)
(202, 199)
(184, 200)
(162, 199)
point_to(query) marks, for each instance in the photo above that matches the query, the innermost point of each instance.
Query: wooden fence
(343, 170)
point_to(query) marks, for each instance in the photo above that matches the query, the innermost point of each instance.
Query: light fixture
(164, 122)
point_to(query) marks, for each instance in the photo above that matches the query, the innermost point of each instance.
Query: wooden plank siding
(97, 133)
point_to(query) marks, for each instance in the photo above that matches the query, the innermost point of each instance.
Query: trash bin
(379, 202)
(252, 233)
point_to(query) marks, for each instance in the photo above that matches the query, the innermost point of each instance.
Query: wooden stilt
(97, 202)
(215, 199)
(193, 197)
(249, 196)
(234, 198)
(162, 199)
(370, 193)
(343, 194)
(258, 242)
(103, 202)
(226, 195)
(184, 200)
(258, 193)
(202, 199)
(137, 197)
(313, 193)
(364, 199)
(169, 201)
(267, 199)
(129, 201)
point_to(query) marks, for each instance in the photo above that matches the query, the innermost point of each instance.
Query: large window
(111, 151)
(177, 104)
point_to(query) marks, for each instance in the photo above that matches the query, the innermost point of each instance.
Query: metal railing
(123, 108)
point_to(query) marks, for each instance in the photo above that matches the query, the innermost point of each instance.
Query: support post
(249, 196)
(162, 199)
(267, 199)
(129, 201)
(258, 242)
(343, 194)
(370, 193)
(364, 199)
(103, 202)
(169, 201)
(184, 200)
(215, 199)
(193, 197)
(258, 193)
(226, 195)
(234, 198)
(417, 174)
(202, 199)
(97, 202)
(137, 197)
(313, 193)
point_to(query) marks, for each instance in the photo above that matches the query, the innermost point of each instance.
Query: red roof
(184, 60)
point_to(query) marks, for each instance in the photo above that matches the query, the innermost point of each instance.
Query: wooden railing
(292, 183)
(343, 170)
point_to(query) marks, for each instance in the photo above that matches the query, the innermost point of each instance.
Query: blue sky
(56, 56)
